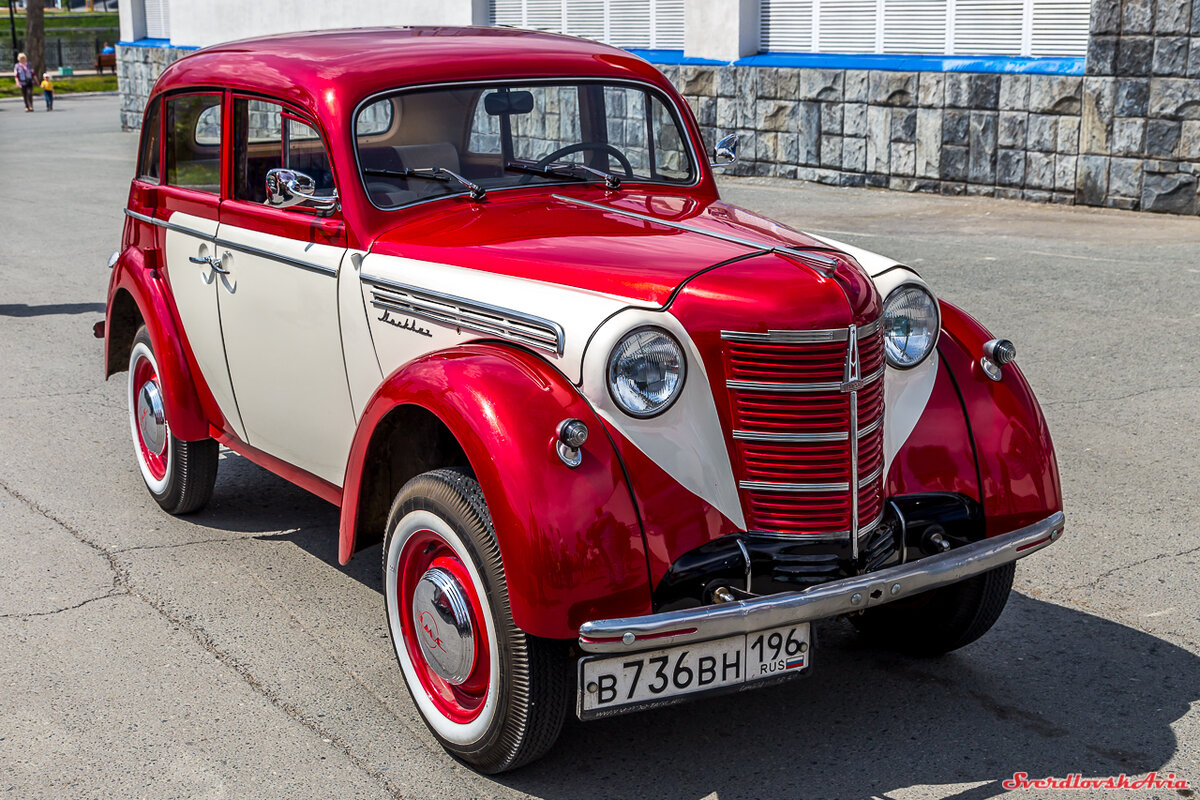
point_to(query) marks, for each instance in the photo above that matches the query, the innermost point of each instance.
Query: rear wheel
(942, 620)
(493, 696)
(180, 475)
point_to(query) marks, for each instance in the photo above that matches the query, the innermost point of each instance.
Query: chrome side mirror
(287, 188)
(726, 152)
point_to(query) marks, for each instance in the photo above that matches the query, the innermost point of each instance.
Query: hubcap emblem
(442, 617)
(152, 421)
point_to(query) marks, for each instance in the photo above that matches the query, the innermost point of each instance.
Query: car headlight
(910, 325)
(646, 371)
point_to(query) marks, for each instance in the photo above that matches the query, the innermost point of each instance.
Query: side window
(149, 151)
(267, 137)
(194, 142)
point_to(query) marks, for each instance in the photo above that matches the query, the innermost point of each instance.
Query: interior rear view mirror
(498, 103)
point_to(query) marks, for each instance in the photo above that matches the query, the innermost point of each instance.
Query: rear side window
(267, 136)
(149, 152)
(194, 142)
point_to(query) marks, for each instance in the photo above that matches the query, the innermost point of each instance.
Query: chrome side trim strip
(447, 309)
(824, 262)
(826, 600)
(818, 336)
(797, 388)
(241, 248)
(140, 217)
(755, 436)
(291, 262)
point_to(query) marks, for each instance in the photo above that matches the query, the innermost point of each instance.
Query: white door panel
(279, 313)
(194, 287)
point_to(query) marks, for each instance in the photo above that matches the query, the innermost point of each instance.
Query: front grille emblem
(852, 377)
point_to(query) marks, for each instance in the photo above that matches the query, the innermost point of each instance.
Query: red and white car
(623, 442)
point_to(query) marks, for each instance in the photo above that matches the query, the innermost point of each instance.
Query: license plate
(608, 684)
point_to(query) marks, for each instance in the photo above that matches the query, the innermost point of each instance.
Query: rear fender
(570, 539)
(133, 281)
(1018, 472)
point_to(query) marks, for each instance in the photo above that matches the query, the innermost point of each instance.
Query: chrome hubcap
(442, 616)
(152, 421)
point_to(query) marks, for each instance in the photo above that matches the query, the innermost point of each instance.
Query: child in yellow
(48, 91)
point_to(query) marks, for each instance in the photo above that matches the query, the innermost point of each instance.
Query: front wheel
(494, 696)
(942, 620)
(180, 475)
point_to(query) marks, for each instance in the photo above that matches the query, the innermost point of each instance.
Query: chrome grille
(807, 411)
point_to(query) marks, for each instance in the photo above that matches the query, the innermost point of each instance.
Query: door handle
(214, 263)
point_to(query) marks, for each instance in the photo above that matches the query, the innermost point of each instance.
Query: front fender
(145, 287)
(570, 539)
(1018, 472)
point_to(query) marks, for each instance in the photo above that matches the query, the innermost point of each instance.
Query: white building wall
(199, 24)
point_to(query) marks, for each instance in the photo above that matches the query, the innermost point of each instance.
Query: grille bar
(825, 386)
(819, 336)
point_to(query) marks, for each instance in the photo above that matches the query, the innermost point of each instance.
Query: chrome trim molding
(140, 217)
(459, 312)
(823, 262)
(797, 388)
(818, 336)
(291, 262)
(241, 248)
(826, 600)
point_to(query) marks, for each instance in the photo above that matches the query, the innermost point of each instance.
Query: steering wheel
(579, 147)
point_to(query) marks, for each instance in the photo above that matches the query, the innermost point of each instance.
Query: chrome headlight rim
(610, 375)
(937, 324)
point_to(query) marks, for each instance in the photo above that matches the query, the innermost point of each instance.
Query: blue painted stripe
(916, 63)
(674, 57)
(162, 43)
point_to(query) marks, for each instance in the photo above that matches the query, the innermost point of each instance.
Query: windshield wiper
(567, 169)
(430, 174)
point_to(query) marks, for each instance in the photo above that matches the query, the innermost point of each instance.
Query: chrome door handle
(215, 263)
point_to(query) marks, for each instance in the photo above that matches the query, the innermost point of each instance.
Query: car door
(278, 304)
(187, 212)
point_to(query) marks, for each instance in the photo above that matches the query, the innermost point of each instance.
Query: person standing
(24, 76)
(48, 91)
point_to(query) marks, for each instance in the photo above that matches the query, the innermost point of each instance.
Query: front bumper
(831, 599)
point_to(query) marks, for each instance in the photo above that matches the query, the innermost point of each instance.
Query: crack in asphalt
(1186, 387)
(1095, 582)
(25, 614)
(144, 547)
(122, 585)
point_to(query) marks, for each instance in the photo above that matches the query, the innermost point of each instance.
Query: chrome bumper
(820, 602)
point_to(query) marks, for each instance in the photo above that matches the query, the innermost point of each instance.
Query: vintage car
(622, 442)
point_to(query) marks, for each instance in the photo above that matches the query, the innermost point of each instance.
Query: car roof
(329, 72)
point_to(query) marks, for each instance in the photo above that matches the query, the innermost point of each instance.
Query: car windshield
(421, 144)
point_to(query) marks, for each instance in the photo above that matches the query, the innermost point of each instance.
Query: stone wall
(1013, 136)
(137, 70)
(1140, 142)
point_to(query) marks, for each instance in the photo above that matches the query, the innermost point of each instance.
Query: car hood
(588, 239)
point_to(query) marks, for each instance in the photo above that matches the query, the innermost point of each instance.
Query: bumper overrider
(845, 596)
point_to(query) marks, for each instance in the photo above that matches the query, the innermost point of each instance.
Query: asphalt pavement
(227, 655)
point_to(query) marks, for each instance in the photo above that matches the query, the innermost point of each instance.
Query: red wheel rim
(462, 703)
(156, 463)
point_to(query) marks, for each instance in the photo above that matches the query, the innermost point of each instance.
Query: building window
(636, 24)
(926, 27)
(158, 20)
